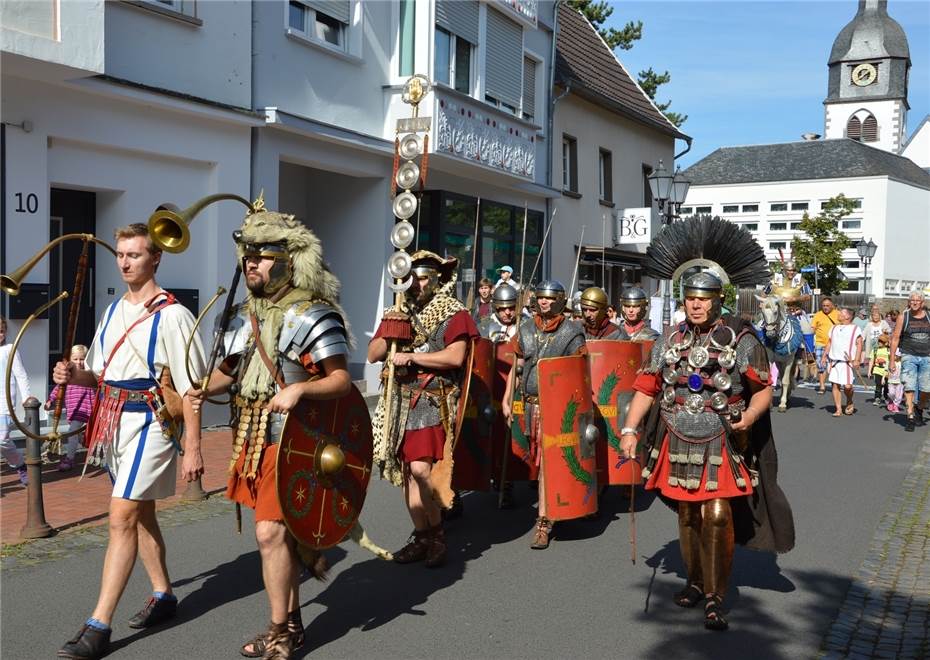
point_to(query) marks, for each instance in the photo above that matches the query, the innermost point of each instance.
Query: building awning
(612, 256)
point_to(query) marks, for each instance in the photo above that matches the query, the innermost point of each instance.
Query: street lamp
(669, 191)
(866, 252)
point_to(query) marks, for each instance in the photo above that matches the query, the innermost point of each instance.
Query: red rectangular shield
(473, 451)
(568, 441)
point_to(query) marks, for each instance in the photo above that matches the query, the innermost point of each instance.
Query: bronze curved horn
(169, 226)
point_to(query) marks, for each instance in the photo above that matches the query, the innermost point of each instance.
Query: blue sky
(754, 72)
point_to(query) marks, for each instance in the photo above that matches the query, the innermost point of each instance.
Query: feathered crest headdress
(707, 243)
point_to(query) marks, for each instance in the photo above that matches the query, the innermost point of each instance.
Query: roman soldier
(704, 397)
(424, 396)
(550, 334)
(593, 303)
(634, 311)
(500, 325)
(288, 341)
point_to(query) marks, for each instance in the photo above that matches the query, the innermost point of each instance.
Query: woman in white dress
(842, 354)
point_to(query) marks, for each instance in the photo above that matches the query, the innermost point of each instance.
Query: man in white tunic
(132, 434)
(844, 353)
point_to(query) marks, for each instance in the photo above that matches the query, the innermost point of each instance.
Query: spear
(571, 289)
(507, 439)
(474, 260)
(542, 247)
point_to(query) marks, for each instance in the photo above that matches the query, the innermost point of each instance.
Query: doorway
(70, 212)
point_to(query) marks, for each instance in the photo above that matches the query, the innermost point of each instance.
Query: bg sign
(633, 225)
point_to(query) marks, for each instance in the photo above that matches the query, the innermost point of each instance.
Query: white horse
(782, 339)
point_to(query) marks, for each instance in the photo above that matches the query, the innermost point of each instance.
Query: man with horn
(287, 342)
(634, 312)
(138, 351)
(424, 397)
(550, 334)
(704, 397)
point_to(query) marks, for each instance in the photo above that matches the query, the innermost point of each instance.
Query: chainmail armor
(536, 344)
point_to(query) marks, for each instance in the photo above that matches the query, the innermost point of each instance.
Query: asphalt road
(498, 598)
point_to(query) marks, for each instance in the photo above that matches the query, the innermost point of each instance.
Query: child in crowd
(895, 389)
(878, 369)
(78, 404)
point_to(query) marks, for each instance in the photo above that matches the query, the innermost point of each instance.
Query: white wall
(631, 145)
(918, 149)
(891, 116)
(880, 198)
(211, 61)
(68, 34)
(135, 157)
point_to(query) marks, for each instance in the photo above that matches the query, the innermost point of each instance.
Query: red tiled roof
(586, 64)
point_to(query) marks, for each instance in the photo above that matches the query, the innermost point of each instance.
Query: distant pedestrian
(482, 308)
(506, 277)
(78, 404)
(895, 387)
(878, 369)
(912, 337)
(876, 327)
(822, 323)
(844, 352)
(12, 454)
(612, 315)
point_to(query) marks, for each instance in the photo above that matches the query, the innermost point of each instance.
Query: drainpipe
(687, 149)
(551, 124)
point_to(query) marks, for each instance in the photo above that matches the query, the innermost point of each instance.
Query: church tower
(867, 84)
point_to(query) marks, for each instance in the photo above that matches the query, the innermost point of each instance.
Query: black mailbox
(190, 298)
(30, 298)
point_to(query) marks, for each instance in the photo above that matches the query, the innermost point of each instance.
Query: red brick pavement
(70, 501)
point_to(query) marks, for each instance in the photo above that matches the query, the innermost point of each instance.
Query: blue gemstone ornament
(695, 382)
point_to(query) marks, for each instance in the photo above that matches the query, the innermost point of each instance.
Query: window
(750, 226)
(702, 210)
(405, 40)
(851, 264)
(854, 128)
(528, 107)
(778, 245)
(870, 129)
(857, 203)
(504, 55)
(319, 21)
(186, 7)
(750, 208)
(852, 224)
(778, 226)
(795, 225)
(781, 206)
(731, 208)
(605, 176)
(647, 191)
(685, 210)
(453, 61)
(569, 164)
(798, 206)
(823, 205)
(852, 285)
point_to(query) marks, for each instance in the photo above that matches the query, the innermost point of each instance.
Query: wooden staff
(571, 289)
(507, 440)
(542, 247)
(474, 260)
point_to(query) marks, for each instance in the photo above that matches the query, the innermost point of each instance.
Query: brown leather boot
(541, 537)
(415, 550)
(436, 547)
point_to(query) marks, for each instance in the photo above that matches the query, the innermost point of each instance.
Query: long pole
(571, 289)
(474, 260)
(542, 247)
(667, 285)
(505, 454)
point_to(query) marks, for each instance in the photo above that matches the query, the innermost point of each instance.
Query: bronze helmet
(596, 297)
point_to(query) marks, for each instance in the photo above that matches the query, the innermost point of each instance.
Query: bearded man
(705, 398)
(424, 397)
(594, 305)
(549, 335)
(288, 341)
(634, 307)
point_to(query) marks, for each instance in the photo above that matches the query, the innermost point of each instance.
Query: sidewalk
(70, 502)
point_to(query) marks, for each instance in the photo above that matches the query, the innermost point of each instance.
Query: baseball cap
(507, 269)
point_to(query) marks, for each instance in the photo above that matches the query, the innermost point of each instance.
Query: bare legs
(837, 399)
(423, 510)
(280, 568)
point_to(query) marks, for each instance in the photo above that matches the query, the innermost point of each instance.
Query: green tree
(650, 81)
(823, 243)
(598, 11)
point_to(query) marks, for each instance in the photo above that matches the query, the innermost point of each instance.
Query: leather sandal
(541, 537)
(713, 613)
(415, 550)
(436, 547)
(255, 647)
(690, 596)
(279, 642)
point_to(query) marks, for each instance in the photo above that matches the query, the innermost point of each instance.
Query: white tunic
(843, 352)
(143, 461)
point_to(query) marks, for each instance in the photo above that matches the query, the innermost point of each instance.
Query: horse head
(773, 310)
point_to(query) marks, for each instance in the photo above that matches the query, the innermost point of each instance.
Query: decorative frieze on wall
(476, 135)
(526, 9)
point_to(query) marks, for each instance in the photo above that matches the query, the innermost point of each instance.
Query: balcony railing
(478, 133)
(524, 9)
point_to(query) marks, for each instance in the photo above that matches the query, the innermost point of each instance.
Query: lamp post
(669, 191)
(866, 253)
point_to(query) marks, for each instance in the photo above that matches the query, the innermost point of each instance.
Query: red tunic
(428, 443)
(651, 385)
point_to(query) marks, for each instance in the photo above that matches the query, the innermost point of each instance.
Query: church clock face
(864, 74)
